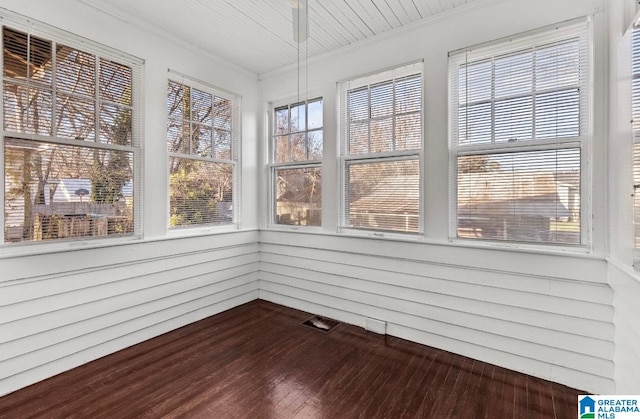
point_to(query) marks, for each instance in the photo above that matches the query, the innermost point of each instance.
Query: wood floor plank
(258, 361)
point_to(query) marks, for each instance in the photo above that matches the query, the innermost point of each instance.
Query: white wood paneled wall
(553, 321)
(58, 311)
(627, 313)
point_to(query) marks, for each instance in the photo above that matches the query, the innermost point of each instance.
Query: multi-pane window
(70, 141)
(635, 95)
(381, 149)
(518, 138)
(296, 169)
(203, 142)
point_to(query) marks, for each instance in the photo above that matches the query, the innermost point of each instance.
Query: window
(296, 170)
(381, 150)
(635, 96)
(518, 139)
(203, 142)
(71, 138)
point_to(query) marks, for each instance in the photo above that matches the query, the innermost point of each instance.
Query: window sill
(524, 247)
(178, 232)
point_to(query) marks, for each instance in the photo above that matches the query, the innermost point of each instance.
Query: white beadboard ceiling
(257, 35)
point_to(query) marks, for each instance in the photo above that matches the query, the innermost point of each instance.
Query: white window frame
(59, 36)
(579, 28)
(346, 159)
(273, 165)
(235, 161)
(635, 109)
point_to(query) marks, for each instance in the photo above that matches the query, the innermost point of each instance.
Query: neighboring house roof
(300, 196)
(510, 193)
(544, 206)
(391, 195)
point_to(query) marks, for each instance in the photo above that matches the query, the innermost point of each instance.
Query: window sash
(388, 198)
(294, 140)
(381, 127)
(296, 195)
(532, 128)
(203, 137)
(116, 211)
(296, 153)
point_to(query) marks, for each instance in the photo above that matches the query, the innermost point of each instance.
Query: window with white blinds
(71, 137)
(635, 96)
(203, 139)
(296, 169)
(518, 137)
(381, 151)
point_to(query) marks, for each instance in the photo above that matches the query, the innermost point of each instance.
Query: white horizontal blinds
(384, 194)
(524, 196)
(518, 127)
(71, 140)
(635, 95)
(381, 143)
(296, 170)
(203, 142)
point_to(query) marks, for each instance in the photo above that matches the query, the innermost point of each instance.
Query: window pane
(201, 140)
(27, 110)
(474, 82)
(408, 132)
(358, 137)
(115, 125)
(282, 121)
(298, 118)
(178, 136)
(514, 119)
(381, 135)
(282, 149)
(201, 106)
(358, 104)
(200, 192)
(314, 109)
(115, 82)
(558, 65)
(57, 191)
(178, 100)
(222, 144)
(75, 71)
(315, 139)
(409, 94)
(298, 196)
(222, 113)
(384, 195)
(514, 74)
(75, 118)
(474, 124)
(531, 196)
(298, 146)
(558, 114)
(382, 99)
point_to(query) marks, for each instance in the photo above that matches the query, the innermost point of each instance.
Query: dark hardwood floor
(258, 361)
